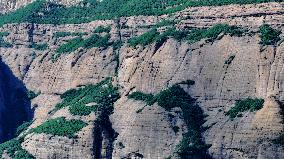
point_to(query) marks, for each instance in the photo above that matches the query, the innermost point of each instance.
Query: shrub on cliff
(191, 143)
(96, 41)
(14, 149)
(101, 96)
(73, 44)
(31, 95)
(245, 105)
(41, 47)
(192, 35)
(70, 46)
(268, 35)
(144, 39)
(102, 29)
(61, 127)
(147, 98)
(216, 30)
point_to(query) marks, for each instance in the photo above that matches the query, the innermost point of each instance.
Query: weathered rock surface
(251, 15)
(255, 72)
(148, 133)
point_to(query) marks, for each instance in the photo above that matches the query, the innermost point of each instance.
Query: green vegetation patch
(102, 29)
(65, 34)
(70, 46)
(90, 10)
(268, 35)
(3, 34)
(103, 94)
(31, 95)
(117, 44)
(149, 99)
(73, 44)
(24, 14)
(14, 149)
(213, 32)
(96, 41)
(175, 96)
(61, 127)
(40, 47)
(191, 144)
(191, 36)
(144, 39)
(245, 105)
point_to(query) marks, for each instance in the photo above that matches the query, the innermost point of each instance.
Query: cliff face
(217, 87)
(255, 71)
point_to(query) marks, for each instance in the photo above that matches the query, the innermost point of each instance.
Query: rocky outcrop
(139, 134)
(251, 15)
(217, 86)
(62, 147)
(256, 71)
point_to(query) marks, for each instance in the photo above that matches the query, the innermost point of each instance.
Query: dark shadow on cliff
(15, 106)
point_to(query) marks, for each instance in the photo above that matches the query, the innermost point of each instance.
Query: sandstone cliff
(255, 71)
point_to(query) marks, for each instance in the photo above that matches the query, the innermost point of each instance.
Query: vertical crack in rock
(104, 136)
(31, 28)
(224, 72)
(178, 66)
(97, 141)
(27, 67)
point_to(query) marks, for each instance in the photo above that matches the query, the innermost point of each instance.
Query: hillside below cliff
(199, 82)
